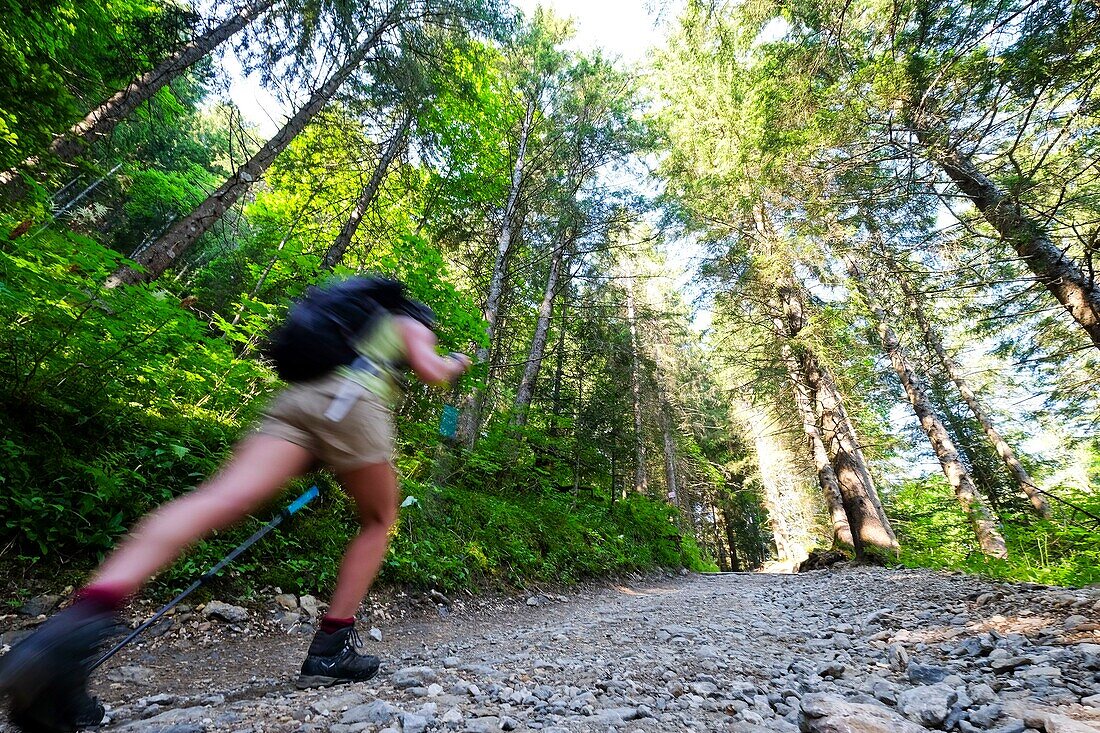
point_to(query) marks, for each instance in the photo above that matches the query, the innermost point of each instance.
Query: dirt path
(865, 648)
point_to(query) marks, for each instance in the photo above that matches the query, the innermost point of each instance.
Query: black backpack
(321, 327)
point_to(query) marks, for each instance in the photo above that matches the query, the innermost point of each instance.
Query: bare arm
(429, 366)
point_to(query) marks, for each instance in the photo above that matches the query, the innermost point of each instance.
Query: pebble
(860, 650)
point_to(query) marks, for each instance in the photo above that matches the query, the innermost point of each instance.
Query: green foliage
(934, 533)
(457, 537)
(112, 400)
(61, 58)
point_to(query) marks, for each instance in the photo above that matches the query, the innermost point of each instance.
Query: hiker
(342, 420)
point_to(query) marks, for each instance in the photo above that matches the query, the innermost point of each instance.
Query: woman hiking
(342, 420)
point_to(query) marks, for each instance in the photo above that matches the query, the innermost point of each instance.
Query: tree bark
(641, 475)
(854, 506)
(826, 476)
(1076, 291)
(951, 367)
(183, 235)
(103, 119)
(672, 492)
(335, 253)
(731, 540)
(979, 514)
(542, 330)
(471, 414)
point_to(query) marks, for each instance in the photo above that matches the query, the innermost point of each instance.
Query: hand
(462, 360)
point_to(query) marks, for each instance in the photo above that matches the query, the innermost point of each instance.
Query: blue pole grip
(304, 499)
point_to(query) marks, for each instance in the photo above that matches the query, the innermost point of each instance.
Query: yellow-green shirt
(384, 348)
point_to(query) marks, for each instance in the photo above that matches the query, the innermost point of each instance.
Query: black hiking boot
(72, 709)
(45, 677)
(333, 658)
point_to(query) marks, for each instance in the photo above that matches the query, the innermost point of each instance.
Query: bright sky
(622, 28)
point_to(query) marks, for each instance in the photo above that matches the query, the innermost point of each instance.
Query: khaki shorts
(364, 435)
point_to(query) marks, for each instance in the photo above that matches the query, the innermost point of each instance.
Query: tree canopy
(813, 275)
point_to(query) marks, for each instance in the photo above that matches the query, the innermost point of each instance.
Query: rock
(488, 724)
(985, 716)
(311, 606)
(1007, 664)
(822, 713)
(375, 633)
(225, 612)
(1072, 622)
(413, 677)
(831, 669)
(40, 605)
(1091, 701)
(1090, 655)
(534, 601)
(287, 601)
(926, 674)
(376, 712)
(132, 675)
(1051, 722)
(13, 637)
(413, 723)
(928, 705)
(897, 657)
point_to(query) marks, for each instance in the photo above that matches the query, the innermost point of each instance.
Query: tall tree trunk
(1076, 291)
(826, 476)
(559, 366)
(773, 462)
(731, 540)
(103, 119)
(542, 329)
(183, 235)
(854, 507)
(335, 253)
(672, 492)
(723, 562)
(951, 367)
(641, 475)
(985, 526)
(470, 424)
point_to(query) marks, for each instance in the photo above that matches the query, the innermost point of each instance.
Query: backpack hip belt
(350, 391)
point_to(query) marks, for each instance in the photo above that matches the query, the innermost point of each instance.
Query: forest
(811, 276)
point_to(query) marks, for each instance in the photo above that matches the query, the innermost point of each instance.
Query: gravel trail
(857, 650)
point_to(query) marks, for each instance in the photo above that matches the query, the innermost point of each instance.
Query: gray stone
(225, 612)
(40, 605)
(376, 712)
(413, 723)
(986, 715)
(926, 674)
(487, 724)
(1072, 622)
(821, 713)
(413, 677)
(287, 601)
(928, 705)
(132, 675)
(1008, 664)
(311, 606)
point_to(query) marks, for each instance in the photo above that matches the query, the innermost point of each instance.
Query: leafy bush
(934, 532)
(112, 401)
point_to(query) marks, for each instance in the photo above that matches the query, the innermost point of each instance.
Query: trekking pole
(284, 514)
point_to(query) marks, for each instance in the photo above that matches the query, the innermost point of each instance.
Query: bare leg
(374, 489)
(259, 467)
